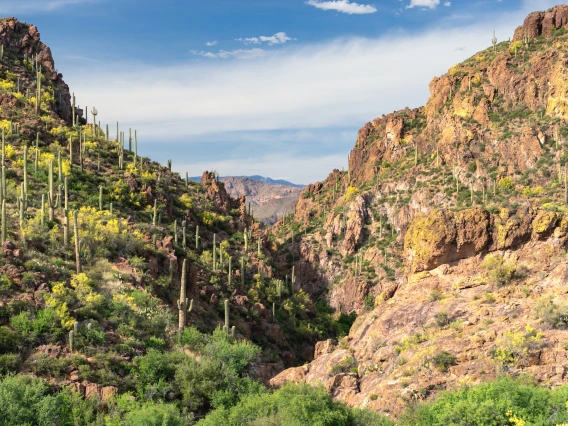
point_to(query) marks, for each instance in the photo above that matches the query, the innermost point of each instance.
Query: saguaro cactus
(77, 242)
(95, 113)
(65, 227)
(3, 221)
(182, 303)
(242, 271)
(155, 219)
(71, 340)
(226, 326)
(214, 253)
(73, 109)
(197, 237)
(494, 41)
(51, 196)
(230, 271)
(101, 198)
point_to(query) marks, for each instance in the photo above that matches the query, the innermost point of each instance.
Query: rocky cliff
(447, 233)
(21, 40)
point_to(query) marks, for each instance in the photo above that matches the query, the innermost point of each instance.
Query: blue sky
(271, 87)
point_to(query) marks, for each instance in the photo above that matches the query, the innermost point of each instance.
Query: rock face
(447, 234)
(24, 40)
(448, 302)
(269, 202)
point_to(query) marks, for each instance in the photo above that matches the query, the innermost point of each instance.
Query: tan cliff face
(450, 302)
(20, 39)
(447, 234)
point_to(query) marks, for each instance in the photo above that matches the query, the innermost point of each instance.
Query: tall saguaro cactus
(226, 327)
(51, 196)
(77, 242)
(3, 221)
(95, 112)
(214, 252)
(182, 303)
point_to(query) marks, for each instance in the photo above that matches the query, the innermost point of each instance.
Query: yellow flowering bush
(186, 200)
(58, 300)
(102, 233)
(210, 218)
(531, 192)
(505, 183)
(6, 86)
(351, 193)
(512, 346)
(5, 125)
(515, 45)
(10, 151)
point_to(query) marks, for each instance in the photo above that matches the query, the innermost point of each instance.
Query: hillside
(118, 277)
(447, 234)
(268, 201)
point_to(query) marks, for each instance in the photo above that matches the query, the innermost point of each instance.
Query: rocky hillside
(447, 234)
(268, 202)
(112, 263)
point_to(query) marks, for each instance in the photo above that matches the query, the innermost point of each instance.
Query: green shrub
(500, 272)
(8, 340)
(291, 405)
(9, 363)
(443, 360)
(492, 403)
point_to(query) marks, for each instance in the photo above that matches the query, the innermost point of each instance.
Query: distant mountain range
(258, 179)
(270, 199)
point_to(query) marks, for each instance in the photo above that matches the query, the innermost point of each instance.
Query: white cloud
(211, 43)
(432, 4)
(448, 3)
(343, 6)
(317, 88)
(278, 38)
(8, 7)
(227, 54)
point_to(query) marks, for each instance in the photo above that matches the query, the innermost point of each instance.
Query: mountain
(257, 178)
(448, 233)
(269, 201)
(273, 181)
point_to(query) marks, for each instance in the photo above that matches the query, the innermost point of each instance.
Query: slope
(447, 234)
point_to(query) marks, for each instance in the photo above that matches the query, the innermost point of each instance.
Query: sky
(276, 88)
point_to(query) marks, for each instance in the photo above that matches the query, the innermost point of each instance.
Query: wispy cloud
(278, 38)
(430, 4)
(8, 7)
(197, 110)
(227, 54)
(211, 43)
(343, 6)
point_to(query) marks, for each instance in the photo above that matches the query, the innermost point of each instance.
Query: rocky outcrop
(543, 23)
(23, 40)
(449, 303)
(216, 192)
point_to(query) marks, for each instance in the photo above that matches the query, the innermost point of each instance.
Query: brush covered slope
(114, 271)
(448, 232)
